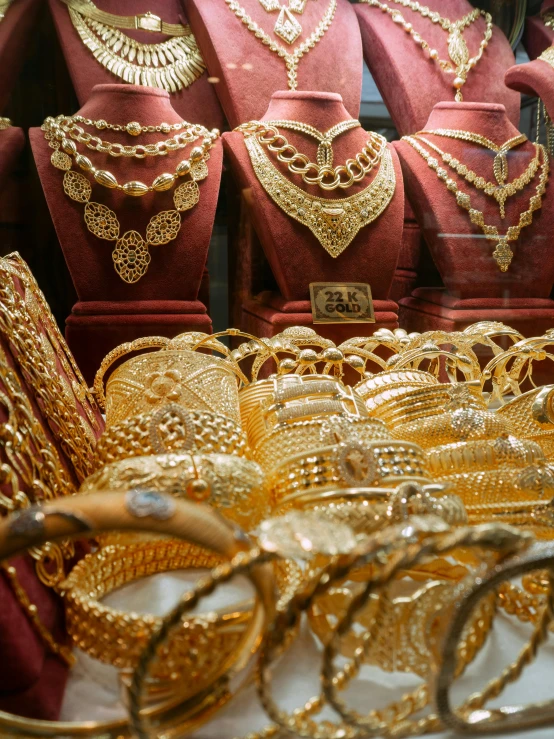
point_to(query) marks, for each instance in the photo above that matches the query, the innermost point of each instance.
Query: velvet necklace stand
(248, 73)
(198, 103)
(475, 288)
(402, 70)
(165, 300)
(537, 37)
(15, 32)
(294, 254)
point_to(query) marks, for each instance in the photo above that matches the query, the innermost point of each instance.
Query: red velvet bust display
(403, 71)
(475, 287)
(537, 36)
(295, 256)
(197, 103)
(534, 78)
(15, 31)
(249, 73)
(165, 300)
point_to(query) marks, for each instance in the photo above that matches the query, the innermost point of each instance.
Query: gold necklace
(334, 222)
(502, 254)
(548, 19)
(501, 190)
(170, 65)
(355, 169)
(4, 7)
(460, 62)
(130, 255)
(291, 60)
(287, 26)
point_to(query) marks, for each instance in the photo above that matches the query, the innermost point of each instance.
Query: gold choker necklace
(130, 256)
(460, 62)
(334, 222)
(170, 65)
(502, 254)
(291, 60)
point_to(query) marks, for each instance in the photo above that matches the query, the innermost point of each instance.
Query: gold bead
(165, 127)
(163, 182)
(433, 53)
(133, 128)
(135, 188)
(101, 124)
(83, 162)
(196, 154)
(69, 146)
(183, 168)
(198, 490)
(458, 82)
(105, 178)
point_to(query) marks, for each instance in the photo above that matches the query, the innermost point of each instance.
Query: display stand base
(95, 328)
(269, 313)
(433, 309)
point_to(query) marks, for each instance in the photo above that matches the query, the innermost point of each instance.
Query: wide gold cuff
(469, 456)
(171, 429)
(285, 440)
(233, 485)
(373, 389)
(463, 424)
(346, 465)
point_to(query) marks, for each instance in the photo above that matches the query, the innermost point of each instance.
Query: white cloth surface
(93, 691)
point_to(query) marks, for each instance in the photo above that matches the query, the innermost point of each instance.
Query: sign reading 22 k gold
(350, 302)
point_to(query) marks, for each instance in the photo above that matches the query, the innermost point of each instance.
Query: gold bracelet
(463, 424)
(469, 456)
(298, 397)
(472, 712)
(285, 440)
(171, 429)
(193, 380)
(348, 464)
(79, 516)
(233, 485)
(376, 384)
(531, 413)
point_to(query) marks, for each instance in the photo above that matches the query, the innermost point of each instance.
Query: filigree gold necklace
(131, 256)
(500, 190)
(170, 65)
(460, 62)
(334, 222)
(291, 59)
(502, 254)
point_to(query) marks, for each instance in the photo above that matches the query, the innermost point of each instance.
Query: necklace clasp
(148, 22)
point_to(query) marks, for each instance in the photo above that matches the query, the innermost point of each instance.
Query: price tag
(350, 302)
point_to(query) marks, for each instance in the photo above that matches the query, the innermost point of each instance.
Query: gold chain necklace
(501, 190)
(131, 256)
(291, 60)
(548, 19)
(287, 26)
(502, 254)
(355, 169)
(170, 65)
(334, 222)
(460, 62)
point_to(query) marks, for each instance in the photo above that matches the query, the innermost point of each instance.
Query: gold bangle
(285, 440)
(531, 413)
(463, 424)
(80, 516)
(171, 429)
(193, 380)
(468, 456)
(233, 485)
(472, 712)
(299, 397)
(348, 464)
(373, 386)
(497, 490)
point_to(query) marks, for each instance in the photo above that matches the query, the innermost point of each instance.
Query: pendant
(297, 6)
(131, 257)
(287, 27)
(501, 196)
(500, 167)
(503, 255)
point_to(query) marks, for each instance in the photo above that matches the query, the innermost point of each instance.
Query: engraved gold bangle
(298, 397)
(80, 516)
(374, 385)
(463, 424)
(193, 380)
(348, 464)
(468, 456)
(233, 485)
(171, 429)
(532, 413)
(285, 440)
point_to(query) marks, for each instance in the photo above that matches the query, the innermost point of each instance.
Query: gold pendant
(297, 6)
(500, 167)
(457, 49)
(287, 27)
(334, 222)
(270, 5)
(503, 255)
